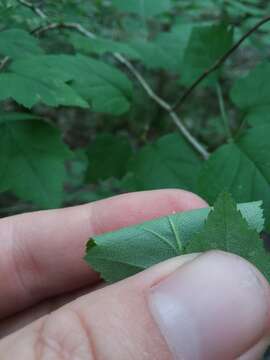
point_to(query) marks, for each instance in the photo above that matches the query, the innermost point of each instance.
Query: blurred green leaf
(242, 168)
(169, 162)
(144, 8)
(6, 117)
(29, 83)
(32, 162)
(258, 116)
(108, 156)
(17, 43)
(45, 78)
(101, 46)
(206, 45)
(254, 89)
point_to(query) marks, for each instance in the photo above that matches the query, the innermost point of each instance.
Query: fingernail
(214, 307)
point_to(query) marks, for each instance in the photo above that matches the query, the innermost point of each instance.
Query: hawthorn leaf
(29, 91)
(164, 52)
(45, 77)
(173, 43)
(161, 53)
(38, 79)
(238, 8)
(32, 161)
(101, 46)
(226, 229)
(168, 162)
(144, 8)
(252, 95)
(241, 168)
(206, 45)
(122, 253)
(107, 88)
(258, 116)
(107, 157)
(252, 90)
(17, 43)
(16, 116)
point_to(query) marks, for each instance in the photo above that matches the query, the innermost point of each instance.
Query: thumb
(206, 307)
(215, 307)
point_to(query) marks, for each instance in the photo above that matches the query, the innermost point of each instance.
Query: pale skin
(54, 307)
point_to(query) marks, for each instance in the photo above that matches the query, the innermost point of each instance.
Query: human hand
(195, 307)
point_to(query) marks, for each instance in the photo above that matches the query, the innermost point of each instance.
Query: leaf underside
(122, 253)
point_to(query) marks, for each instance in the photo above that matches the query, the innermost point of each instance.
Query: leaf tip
(91, 243)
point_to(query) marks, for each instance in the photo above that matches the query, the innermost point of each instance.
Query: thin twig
(4, 62)
(120, 58)
(164, 105)
(73, 26)
(158, 100)
(219, 62)
(223, 112)
(34, 8)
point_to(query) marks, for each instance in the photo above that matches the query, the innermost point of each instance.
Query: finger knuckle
(64, 335)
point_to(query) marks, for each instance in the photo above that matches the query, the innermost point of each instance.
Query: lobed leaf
(108, 156)
(122, 253)
(45, 78)
(168, 162)
(254, 89)
(32, 161)
(227, 230)
(242, 168)
(144, 8)
(206, 45)
(17, 43)
(101, 46)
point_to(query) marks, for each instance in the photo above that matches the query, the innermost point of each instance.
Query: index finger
(42, 253)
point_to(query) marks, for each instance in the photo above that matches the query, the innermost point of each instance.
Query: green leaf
(37, 79)
(226, 229)
(162, 53)
(32, 161)
(108, 156)
(174, 44)
(17, 43)
(258, 116)
(242, 168)
(29, 91)
(101, 46)
(206, 45)
(169, 162)
(122, 253)
(52, 67)
(10, 117)
(254, 89)
(237, 8)
(144, 8)
(107, 88)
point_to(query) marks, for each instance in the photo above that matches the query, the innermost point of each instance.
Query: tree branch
(164, 105)
(73, 26)
(219, 62)
(223, 112)
(34, 8)
(141, 80)
(4, 62)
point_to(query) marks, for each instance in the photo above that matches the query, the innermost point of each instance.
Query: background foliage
(76, 125)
